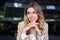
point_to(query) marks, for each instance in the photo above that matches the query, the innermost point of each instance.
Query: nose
(31, 14)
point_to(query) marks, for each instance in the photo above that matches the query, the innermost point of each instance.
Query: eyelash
(29, 12)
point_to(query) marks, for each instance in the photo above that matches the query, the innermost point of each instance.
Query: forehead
(31, 9)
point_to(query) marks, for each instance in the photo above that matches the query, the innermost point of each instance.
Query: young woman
(33, 27)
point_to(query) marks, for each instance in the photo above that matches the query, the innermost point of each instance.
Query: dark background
(10, 16)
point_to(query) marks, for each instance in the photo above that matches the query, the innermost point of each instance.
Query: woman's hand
(37, 30)
(33, 25)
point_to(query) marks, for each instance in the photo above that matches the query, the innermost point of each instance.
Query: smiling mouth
(32, 19)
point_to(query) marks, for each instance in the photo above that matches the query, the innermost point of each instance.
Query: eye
(28, 12)
(34, 12)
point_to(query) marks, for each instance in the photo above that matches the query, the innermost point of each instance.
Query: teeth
(33, 17)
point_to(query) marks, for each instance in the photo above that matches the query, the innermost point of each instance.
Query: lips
(32, 19)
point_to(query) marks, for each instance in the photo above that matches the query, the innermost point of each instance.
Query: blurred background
(11, 12)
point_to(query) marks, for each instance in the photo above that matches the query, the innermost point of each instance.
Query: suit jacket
(21, 26)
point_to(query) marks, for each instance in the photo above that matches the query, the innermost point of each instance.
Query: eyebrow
(32, 11)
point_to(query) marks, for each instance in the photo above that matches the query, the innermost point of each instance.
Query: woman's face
(32, 14)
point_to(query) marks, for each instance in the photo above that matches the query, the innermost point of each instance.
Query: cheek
(36, 16)
(28, 16)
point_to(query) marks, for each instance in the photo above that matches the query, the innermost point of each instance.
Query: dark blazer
(21, 26)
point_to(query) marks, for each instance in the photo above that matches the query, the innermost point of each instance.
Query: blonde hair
(37, 8)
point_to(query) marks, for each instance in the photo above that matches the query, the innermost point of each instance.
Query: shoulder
(21, 24)
(45, 23)
(46, 26)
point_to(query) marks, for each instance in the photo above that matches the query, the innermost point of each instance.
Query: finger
(34, 23)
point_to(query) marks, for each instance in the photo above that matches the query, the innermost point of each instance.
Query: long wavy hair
(38, 9)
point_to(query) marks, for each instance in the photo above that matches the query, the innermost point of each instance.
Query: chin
(32, 21)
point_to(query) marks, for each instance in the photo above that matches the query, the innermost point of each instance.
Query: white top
(32, 35)
(21, 26)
